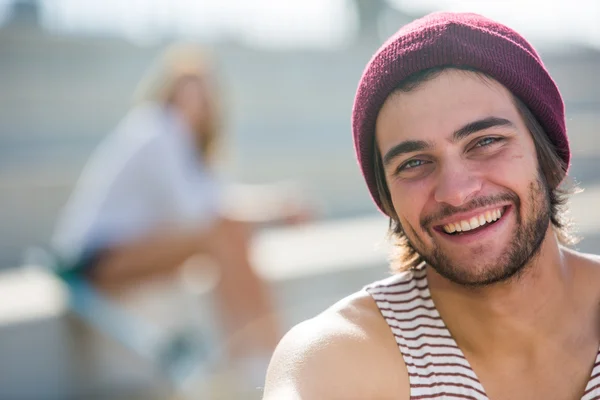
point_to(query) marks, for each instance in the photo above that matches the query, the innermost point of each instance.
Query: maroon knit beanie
(455, 39)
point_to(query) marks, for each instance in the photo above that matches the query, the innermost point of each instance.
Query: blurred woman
(149, 199)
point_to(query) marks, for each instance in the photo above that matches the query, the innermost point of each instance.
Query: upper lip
(454, 218)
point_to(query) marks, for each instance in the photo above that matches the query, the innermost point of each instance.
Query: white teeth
(449, 228)
(488, 216)
(482, 220)
(474, 222)
(494, 215)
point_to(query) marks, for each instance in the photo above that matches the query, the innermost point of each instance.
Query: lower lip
(479, 234)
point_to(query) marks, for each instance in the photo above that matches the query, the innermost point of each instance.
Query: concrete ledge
(280, 254)
(322, 247)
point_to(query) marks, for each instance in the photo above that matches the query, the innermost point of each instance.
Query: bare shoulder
(590, 263)
(588, 273)
(346, 352)
(595, 258)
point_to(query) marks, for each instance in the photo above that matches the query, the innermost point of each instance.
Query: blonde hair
(178, 62)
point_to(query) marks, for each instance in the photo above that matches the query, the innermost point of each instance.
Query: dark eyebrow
(479, 125)
(407, 146)
(410, 146)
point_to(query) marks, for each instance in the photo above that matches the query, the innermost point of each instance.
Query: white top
(145, 174)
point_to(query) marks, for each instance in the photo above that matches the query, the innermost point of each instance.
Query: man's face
(462, 172)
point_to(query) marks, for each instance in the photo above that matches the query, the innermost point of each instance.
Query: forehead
(441, 105)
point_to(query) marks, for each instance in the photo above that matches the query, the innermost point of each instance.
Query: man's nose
(456, 185)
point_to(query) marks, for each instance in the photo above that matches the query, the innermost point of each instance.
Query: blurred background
(288, 70)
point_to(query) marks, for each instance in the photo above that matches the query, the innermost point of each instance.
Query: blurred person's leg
(246, 310)
(249, 324)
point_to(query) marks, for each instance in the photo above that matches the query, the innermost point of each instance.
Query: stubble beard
(520, 253)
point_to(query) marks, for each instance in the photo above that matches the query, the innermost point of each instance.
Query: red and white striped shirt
(437, 368)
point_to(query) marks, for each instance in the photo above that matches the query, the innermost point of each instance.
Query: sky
(309, 23)
(545, 20)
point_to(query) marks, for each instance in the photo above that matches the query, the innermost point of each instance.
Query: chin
(478, 271)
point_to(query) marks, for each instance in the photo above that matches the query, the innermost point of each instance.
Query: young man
(460, 134)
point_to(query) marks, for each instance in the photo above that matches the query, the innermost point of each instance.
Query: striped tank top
(437, 368)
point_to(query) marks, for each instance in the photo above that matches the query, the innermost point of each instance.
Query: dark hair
(553, 170)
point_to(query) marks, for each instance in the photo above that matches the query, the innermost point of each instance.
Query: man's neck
(516, 316)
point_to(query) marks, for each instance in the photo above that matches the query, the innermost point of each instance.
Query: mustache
(447, 210)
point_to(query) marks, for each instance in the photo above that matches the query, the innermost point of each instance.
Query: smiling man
(460, 134)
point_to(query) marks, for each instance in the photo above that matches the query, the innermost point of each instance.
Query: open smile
(475, 224)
